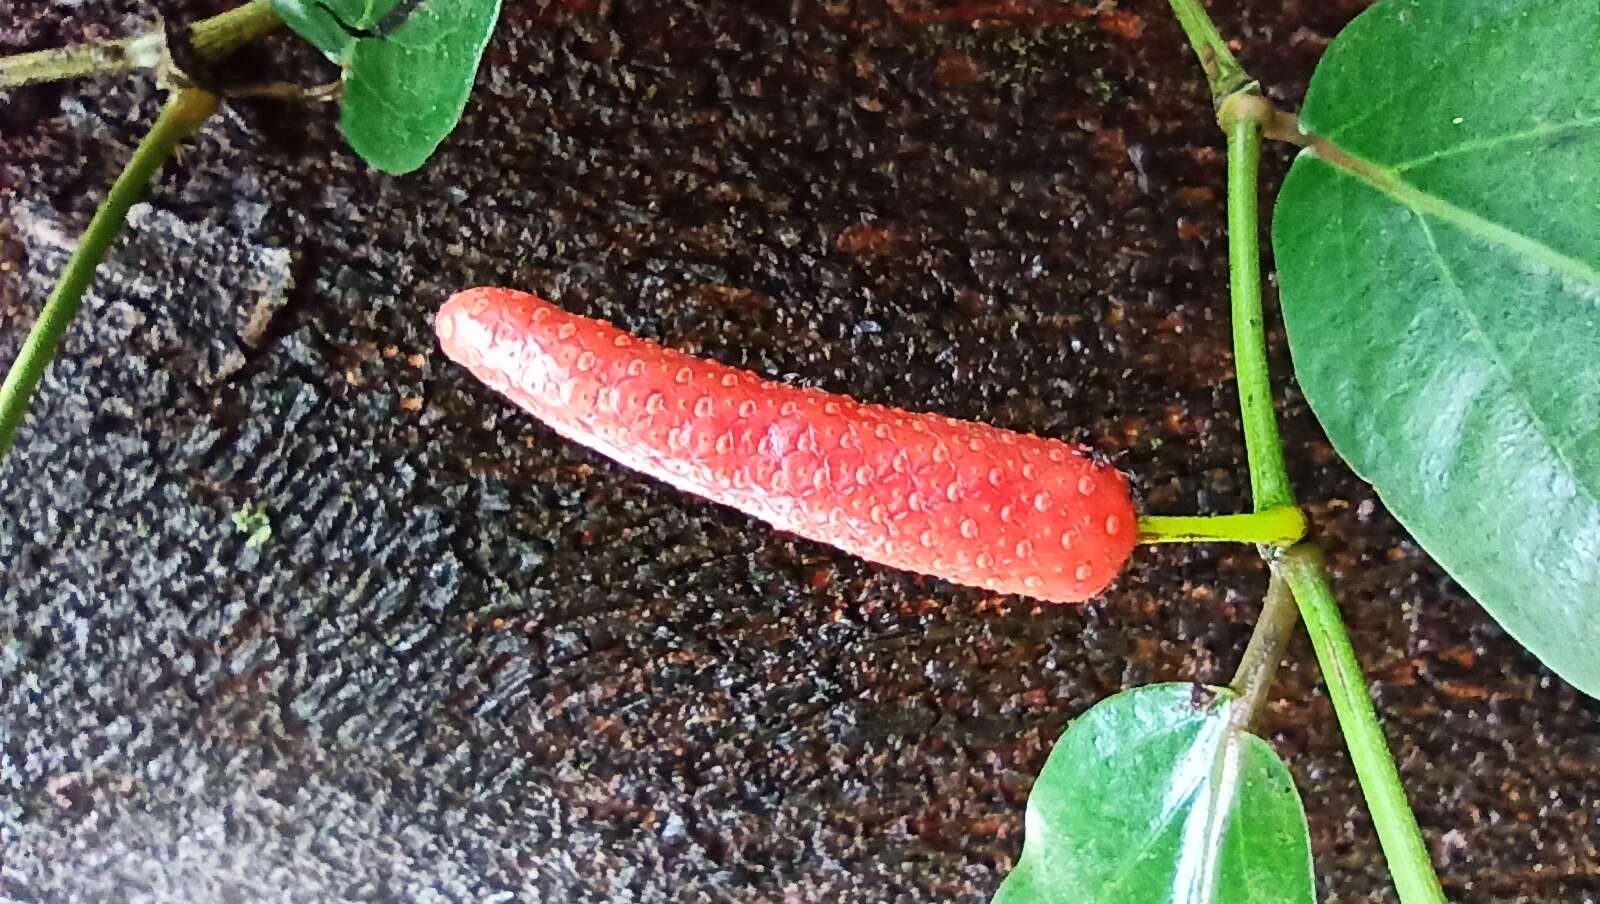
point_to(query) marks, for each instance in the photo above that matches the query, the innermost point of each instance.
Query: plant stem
(182, 115)
(214, 38)
(1283, 526)
(1223, 71)
(1242, 113)
(1261, 658)
(1398, 832)
(1269, 473)
(222, 34)
(99, 58)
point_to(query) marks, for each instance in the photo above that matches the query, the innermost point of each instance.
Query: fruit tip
(460, 310)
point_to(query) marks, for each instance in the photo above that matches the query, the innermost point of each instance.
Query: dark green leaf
(1154, 797)
(405, 85)
(1439, 257)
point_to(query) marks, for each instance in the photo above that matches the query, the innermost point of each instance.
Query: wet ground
(474, 663)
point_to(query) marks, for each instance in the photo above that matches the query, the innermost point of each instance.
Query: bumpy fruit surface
(963, 501)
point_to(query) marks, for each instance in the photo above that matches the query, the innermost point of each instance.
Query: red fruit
(966, 502)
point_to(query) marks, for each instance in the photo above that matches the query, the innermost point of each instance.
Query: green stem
(1265, 651)
(1242, 113)
(1282, 526)
(1223, 71)
(222, 34)
(213, 38)
(1269, 472)
(182, 115)
(1398, 832)
(100, 58)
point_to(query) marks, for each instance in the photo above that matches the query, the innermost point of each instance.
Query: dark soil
(474, 663)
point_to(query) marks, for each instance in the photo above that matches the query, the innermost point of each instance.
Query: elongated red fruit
(967, 502)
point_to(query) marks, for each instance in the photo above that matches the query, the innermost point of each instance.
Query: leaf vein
(1389, 184)
(1544, 131)
(1498, 361)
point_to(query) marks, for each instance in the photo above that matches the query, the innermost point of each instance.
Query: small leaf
(408, 70)
(1438, 250)
(1154, 796)
(252, 519)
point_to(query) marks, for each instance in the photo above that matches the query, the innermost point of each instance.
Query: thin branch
(1261, 658)
(101, 58)
(213, 38)
(1222, 69)
(184, 113)
(220, 35)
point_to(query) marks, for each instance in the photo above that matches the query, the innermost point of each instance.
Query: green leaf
(252, 519)
(1154, 796)
(313, 22)
(405, 88)
(1438, 250)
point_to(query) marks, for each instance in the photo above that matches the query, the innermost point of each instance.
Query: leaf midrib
(1219, 783)
(1166, 819)
(1388, 182)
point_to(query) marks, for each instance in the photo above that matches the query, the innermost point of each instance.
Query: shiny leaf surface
(409, 67)
(1438, 250)
(1155, 796)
